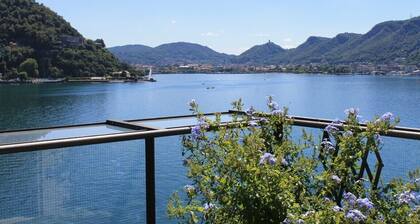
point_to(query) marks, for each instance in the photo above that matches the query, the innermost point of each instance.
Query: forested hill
(169, 54)
(36, 41)
(387, 42)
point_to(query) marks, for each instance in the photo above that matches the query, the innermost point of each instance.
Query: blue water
(105, 183)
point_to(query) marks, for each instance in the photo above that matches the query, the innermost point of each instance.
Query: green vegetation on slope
(29, 30)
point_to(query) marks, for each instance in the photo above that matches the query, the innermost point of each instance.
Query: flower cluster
(334, 126)
(336, 179)
(250, 111)
(354, 207)
(268, 158)
(355, 215)
(197, 131)
(386, 117)
(352, 111)
(407, 197)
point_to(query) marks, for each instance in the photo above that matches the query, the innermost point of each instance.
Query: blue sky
(229, 26)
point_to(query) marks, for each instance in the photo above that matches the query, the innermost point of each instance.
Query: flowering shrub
(253, 171)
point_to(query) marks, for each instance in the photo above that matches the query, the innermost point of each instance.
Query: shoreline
(69, 80)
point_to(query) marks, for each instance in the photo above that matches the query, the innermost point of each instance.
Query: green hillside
(29, 30)
(170, 54)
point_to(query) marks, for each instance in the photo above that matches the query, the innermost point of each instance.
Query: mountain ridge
(387, 42)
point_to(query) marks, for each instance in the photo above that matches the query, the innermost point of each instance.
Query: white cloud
(262, 35)
(287, 39)
(210, 34)
(173, 21)
(288, 46)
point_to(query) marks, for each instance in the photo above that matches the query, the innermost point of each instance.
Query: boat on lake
(149, 77)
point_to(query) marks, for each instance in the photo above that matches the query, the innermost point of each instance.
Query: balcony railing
(29, 140)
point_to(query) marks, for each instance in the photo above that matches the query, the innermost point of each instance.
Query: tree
(55, 72)
(30, 66)
(23, 76)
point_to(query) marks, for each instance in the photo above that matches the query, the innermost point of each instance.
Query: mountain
(260, 54)
(315, 49)
(35, 41)
(392, 41)
(170, 54)
(385, 42)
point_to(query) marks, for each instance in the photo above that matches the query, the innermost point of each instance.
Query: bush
(23, 76)
(30, 67)
(252, 171)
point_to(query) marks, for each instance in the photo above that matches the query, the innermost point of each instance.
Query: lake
(105, 183)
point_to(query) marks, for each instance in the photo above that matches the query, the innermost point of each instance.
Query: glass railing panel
(102, 183)
(59, 133)
(180, 122)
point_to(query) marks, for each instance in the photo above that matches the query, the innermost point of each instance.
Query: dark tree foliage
(31, 30)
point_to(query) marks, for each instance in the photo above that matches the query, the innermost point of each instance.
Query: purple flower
(268, 158)
(355, 215)
(208, 206)
(263, 120)
(196, 132)
(406, 197)
(352, 111)
(387, 116)
(250, 111)
(337, 209)
(203, 123)
(337, 123)
(331, 128)
(277, 112)
(350, 198)
(336, 179)
(364, 203)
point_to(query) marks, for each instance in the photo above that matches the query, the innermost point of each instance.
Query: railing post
(150, 181)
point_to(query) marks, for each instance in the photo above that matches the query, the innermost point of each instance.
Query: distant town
(354, 68)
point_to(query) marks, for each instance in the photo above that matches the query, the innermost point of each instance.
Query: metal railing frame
(140, 131)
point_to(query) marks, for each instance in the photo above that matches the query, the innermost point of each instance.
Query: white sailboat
(150, 78)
